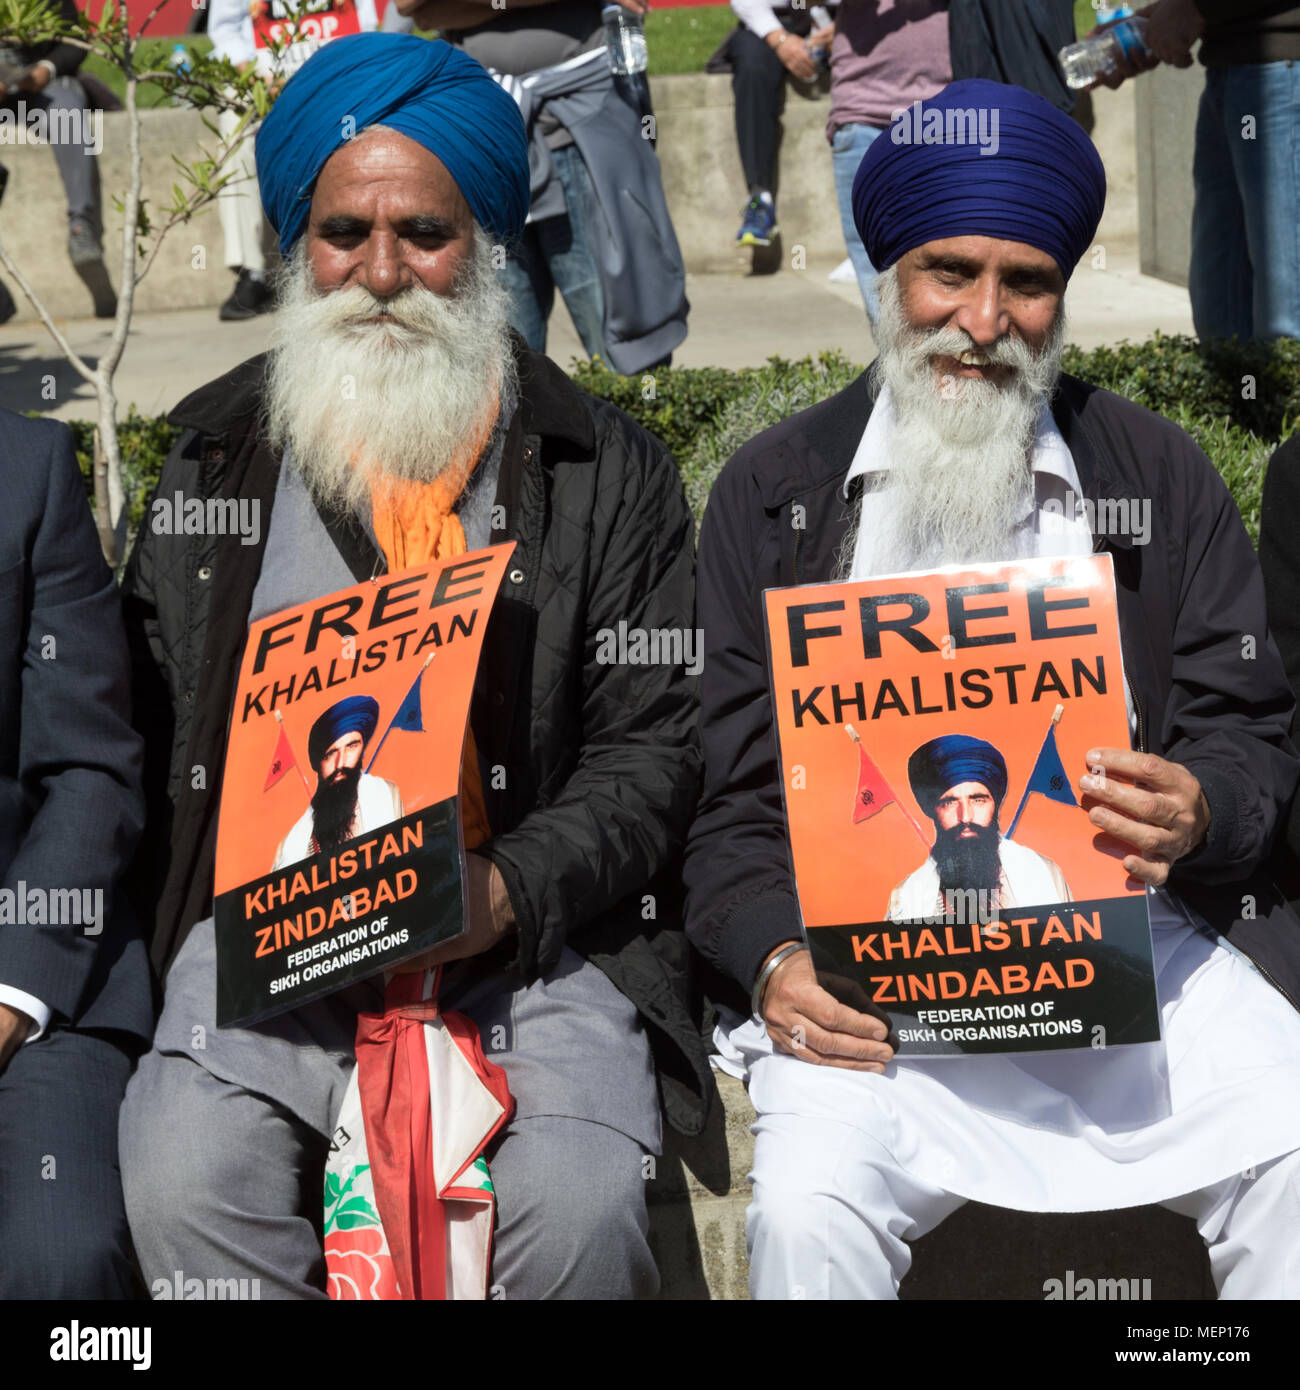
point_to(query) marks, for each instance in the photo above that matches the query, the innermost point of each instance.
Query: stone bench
(697, 1231)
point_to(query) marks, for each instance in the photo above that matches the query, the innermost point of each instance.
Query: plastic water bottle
(624, 40)
(1083, 62)
(821, 18)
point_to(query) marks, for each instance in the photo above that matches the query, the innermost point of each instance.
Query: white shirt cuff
(31, 1006)
(756, 16)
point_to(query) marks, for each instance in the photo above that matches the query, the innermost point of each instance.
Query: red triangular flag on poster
(873, 792)
(283, 761)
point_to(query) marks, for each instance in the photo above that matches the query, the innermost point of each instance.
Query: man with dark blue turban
(347, 802)
(964, 442)
(397, 421)
(960, 783)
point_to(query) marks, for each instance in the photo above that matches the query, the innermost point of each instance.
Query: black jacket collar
(550, 405)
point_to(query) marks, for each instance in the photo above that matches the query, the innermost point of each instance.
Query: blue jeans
(1245, 269)
(557, 252)
(848, 145)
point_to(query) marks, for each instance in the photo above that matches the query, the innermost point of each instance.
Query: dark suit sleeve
(1279, 558)
(1230, 707)
(1279, 553)
(78, 758)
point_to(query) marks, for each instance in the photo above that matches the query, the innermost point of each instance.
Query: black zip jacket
(602, 761)
(1208, 684)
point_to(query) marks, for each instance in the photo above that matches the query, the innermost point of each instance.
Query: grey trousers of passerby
(224, 1135)
(78, 164)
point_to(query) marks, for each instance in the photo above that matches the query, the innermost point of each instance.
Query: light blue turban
(423, 88)
(980, 159)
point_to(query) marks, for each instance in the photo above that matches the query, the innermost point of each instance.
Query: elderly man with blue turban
(964, 442)
(398, 421)
(960, 783)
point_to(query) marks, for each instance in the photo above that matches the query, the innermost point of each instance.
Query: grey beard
(959, 481)
(357, 401)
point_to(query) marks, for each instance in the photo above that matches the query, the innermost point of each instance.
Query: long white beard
(959, 479)
(357, 399)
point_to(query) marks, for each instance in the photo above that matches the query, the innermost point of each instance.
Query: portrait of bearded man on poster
(960, 782)
(347, 802)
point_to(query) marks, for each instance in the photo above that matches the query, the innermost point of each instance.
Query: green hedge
(1237, 402)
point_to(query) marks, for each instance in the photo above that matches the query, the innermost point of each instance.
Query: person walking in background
(769, 43)
(884, 57)
(598, 229)
(41, 80)
(1244, 276)
(243, 33)
(1015, 42)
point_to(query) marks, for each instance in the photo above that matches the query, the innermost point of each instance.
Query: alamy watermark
(53, 907)
(960, 125)
(193, 1289)
(1104, 516)
(21, 124)
(655, 646)
(179, 515)
(1096, 1290)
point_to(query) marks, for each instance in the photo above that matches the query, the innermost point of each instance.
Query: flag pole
(853, 734)
(306, 786)
(1056, 719)
(389, 730)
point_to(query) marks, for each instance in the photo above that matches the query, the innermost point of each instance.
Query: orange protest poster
(932, 730)
(339, 846)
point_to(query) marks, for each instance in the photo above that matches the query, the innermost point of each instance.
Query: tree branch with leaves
(211, 84)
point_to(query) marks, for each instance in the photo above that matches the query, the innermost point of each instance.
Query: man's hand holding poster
(933, 729)
(339, 845)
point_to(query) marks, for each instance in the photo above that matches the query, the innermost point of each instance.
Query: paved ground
(735, 321)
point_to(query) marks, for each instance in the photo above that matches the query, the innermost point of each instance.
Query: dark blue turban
(357, 712)
(951, 760)
(422, 88)
(927, 177)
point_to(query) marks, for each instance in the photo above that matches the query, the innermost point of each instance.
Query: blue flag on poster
(409, 717)
(1049, 777)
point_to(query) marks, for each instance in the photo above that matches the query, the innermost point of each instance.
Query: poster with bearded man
(947, 871)
(349, 777)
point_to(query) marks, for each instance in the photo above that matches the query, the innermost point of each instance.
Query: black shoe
(88, 261)
(7, 306)
(248, 299)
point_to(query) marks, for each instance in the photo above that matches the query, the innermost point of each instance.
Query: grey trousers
(77, 162)
(224, 1135)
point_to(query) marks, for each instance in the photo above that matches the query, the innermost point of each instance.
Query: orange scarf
(414, 523)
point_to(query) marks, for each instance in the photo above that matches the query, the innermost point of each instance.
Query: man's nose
(982, 315)
(383, 271)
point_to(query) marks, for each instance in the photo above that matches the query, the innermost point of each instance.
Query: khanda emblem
(867, 797)
(1057, 782)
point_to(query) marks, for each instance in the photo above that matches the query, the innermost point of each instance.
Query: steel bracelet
(764, 975)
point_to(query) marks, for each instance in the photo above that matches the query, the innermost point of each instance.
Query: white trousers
(832, 1213)
(239, 204)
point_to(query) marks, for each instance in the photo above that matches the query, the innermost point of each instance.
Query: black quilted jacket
(602, 761)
